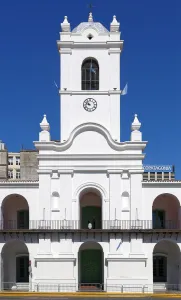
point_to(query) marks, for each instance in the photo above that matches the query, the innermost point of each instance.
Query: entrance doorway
(159, 268)
(91, 266)
(90, 209)
(22, 264)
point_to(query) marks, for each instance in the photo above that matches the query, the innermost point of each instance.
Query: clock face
(90, 104)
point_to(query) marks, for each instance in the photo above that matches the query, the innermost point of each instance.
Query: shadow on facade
(165, 210)
(15, 212)
(15, 265)
(166, 263)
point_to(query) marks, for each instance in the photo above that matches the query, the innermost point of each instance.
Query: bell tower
(90, 76)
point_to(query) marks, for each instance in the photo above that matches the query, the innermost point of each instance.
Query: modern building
(86, 212)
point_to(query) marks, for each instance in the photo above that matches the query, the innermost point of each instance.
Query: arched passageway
(166, 263)
(91, 265)
(15, 212)
(90, 209)
(165, 211)
(15, 264)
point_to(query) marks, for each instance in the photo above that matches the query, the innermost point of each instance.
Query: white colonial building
(91, 218)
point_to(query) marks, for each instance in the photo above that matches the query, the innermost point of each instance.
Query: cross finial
(90, 7)
(90, 18)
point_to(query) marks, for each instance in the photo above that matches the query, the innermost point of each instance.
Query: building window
(159, 268)
(17, 174)
(10, 161)
(158, 219)
(10, 174)
(17, 161)
(90, 74)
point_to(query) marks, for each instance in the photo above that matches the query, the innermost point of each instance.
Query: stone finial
(136, 135)
(136, 124)
(114, 26)
(44, 135)
(65, 25)
(44, 125)
(90, 18)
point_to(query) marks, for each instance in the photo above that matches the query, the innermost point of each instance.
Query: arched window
(90, 74)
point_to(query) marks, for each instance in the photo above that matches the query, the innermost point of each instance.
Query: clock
(90, 104)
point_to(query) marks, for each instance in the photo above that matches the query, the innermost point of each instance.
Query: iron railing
(47, 287)
(77, 225)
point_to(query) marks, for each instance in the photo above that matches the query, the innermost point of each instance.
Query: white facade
(88, 220)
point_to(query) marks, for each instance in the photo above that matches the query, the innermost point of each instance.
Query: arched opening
(15, 212)
(15, 265)
(90, 74)
(91, 266)
(90, 209)
(166, 263)
(165, 212)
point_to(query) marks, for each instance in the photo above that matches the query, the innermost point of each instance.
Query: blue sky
(150, 62)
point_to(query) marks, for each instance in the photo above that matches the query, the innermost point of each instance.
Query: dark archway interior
(91, 210)
(91, 265)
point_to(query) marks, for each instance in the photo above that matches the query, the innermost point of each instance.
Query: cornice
(88, 92)
(90, 169)
(84, 44)
(80, 157)
(29, 184)
(163, 183)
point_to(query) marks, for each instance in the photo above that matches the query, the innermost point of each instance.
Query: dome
(92, 25)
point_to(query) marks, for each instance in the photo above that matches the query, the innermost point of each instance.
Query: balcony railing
(77, 225)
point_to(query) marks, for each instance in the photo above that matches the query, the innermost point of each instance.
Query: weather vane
(90, 7)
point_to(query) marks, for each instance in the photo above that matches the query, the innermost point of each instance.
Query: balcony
(75, 225)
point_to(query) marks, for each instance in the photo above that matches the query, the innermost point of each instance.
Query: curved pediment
(91, 138)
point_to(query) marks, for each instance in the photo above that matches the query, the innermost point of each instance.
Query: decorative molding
(54, 259)
(114, 51)
(66, 171)
(20, 184)
(101, 45)
(136, 171)
(44, 171)
(90, 185)
(127, 259)
(125, 175)
(118, 146)
(90, 92)
(55, 174)
(61, 257)
(177, 182)
(65, 51)
(114, 171)
(80, 157)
